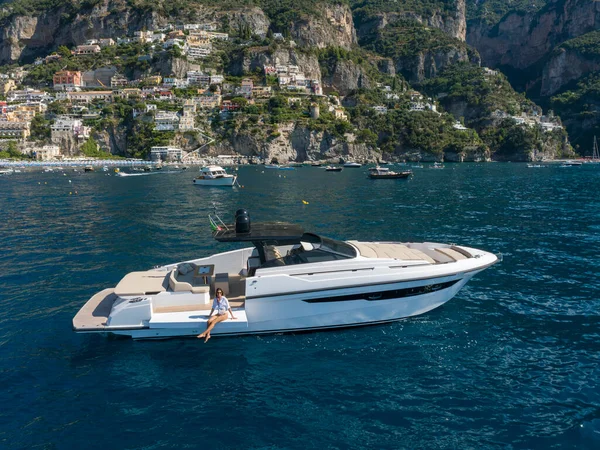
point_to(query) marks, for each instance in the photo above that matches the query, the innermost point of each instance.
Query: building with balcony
(165, 154)
(166, 121)
(87, 49)
(65, 80)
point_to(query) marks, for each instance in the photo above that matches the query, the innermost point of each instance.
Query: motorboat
(316, 164)
(383, 173)
(88, 169)
(214, 176)
(286, 168)
(272, 166)
(6, 171)
(571, 163)
(352, 164)
(333, 169)
(288, 280)
(436, 165)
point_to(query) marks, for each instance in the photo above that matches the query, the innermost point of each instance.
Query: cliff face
(566, 66)
(295, 143)
(112, 140)
(520, 40)
(334, 27)
(25, 37)
(346, 76)
(452, 23)
(257, 57)
(427, 64)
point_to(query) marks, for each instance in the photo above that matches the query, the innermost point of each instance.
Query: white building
(187, 121)
(216, 79)
(459, 126)
(47, 152)
(199, 51)
(166, 154)
(68, 125)
(379, 109)
(166, 121)
(198, 78)
(28, 95)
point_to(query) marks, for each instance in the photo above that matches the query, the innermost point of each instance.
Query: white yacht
(215, 176)
(352, 164)
(287, 281)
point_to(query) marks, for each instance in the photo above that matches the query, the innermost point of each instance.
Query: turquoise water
(511, 362)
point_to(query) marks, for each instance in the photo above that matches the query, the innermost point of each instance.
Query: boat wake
(123, 174)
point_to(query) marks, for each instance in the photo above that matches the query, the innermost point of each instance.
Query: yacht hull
(224, 181)
(328, 309)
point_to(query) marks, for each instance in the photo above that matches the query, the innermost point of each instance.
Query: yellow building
(154, 80)
(7, 85)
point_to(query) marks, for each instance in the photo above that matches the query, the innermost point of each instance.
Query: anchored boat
(383, 173)
(214, 176)
(287, 280)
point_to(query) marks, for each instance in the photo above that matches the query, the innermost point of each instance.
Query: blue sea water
(511, 362)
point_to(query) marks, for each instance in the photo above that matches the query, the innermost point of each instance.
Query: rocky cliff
(254, 58)
(24, 37)
(295, 143)
(332, 27)
(521, 40)
(565, 66)
(451, 21)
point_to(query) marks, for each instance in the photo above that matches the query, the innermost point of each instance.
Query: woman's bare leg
(218, 319)
(208, 323)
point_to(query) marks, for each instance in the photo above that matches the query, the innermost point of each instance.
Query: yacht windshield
(312, 249)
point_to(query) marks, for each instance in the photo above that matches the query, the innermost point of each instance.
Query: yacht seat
(183, 286)
(253, 264)
(142, 283)
(222, 281)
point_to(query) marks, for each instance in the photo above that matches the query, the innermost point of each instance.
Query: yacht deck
(94, 314)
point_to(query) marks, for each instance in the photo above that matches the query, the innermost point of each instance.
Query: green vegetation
(408, 38)
(482, 92)
(424, 131)
(587, 44)
(581, 105)
(491, 11)
(364, 10)
(90, 148)
(40, 128)
(12, 152)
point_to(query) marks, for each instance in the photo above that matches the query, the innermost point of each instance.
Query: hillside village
(105, 98)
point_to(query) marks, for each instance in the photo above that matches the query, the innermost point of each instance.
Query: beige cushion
(142, 283)
(456, 256)
(392, 251)
(200, 289)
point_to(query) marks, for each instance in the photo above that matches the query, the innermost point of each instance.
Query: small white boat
(437, 165)
(571, 163)
(214, 176)
(352, 164)
(288, 281)
(6, 171)
(272, 166)
(383, 173)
